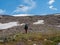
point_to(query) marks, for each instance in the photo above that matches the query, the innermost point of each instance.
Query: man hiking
(26, 28)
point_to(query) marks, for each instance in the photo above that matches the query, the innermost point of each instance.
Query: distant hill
(36, 23)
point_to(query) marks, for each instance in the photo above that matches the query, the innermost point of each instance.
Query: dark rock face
(50, 22)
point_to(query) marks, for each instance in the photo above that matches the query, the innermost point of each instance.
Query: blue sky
(13, 7)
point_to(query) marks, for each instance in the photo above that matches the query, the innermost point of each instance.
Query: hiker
(26, 28)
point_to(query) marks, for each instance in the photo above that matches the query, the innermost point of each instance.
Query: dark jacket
(26, 27)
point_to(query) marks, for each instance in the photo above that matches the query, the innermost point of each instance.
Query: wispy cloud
(2, 11)
(21, 8)
(24, 8)
(51, 6)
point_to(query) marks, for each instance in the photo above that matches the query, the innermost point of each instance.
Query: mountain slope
(50, 22)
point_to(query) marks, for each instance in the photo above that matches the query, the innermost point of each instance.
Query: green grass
(28, 39)
(32, 38)
(29, 36)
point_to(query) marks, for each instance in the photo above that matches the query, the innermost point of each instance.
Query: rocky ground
(45, 25)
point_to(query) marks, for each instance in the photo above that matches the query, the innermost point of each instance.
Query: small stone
(45, 39)
(34, 44)
(51, 41)
(58, 43)
(29, 40)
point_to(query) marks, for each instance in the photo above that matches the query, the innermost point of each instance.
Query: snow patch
(8, 25)
(22, 15)
(58, 26)
(39, 22)
(22, 24)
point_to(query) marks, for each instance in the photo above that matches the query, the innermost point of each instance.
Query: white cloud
(24, 8)
(2, 11)
(52, 7)
(31, 3)
(51, 2)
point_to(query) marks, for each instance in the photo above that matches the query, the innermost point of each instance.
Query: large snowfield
(12, 24)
